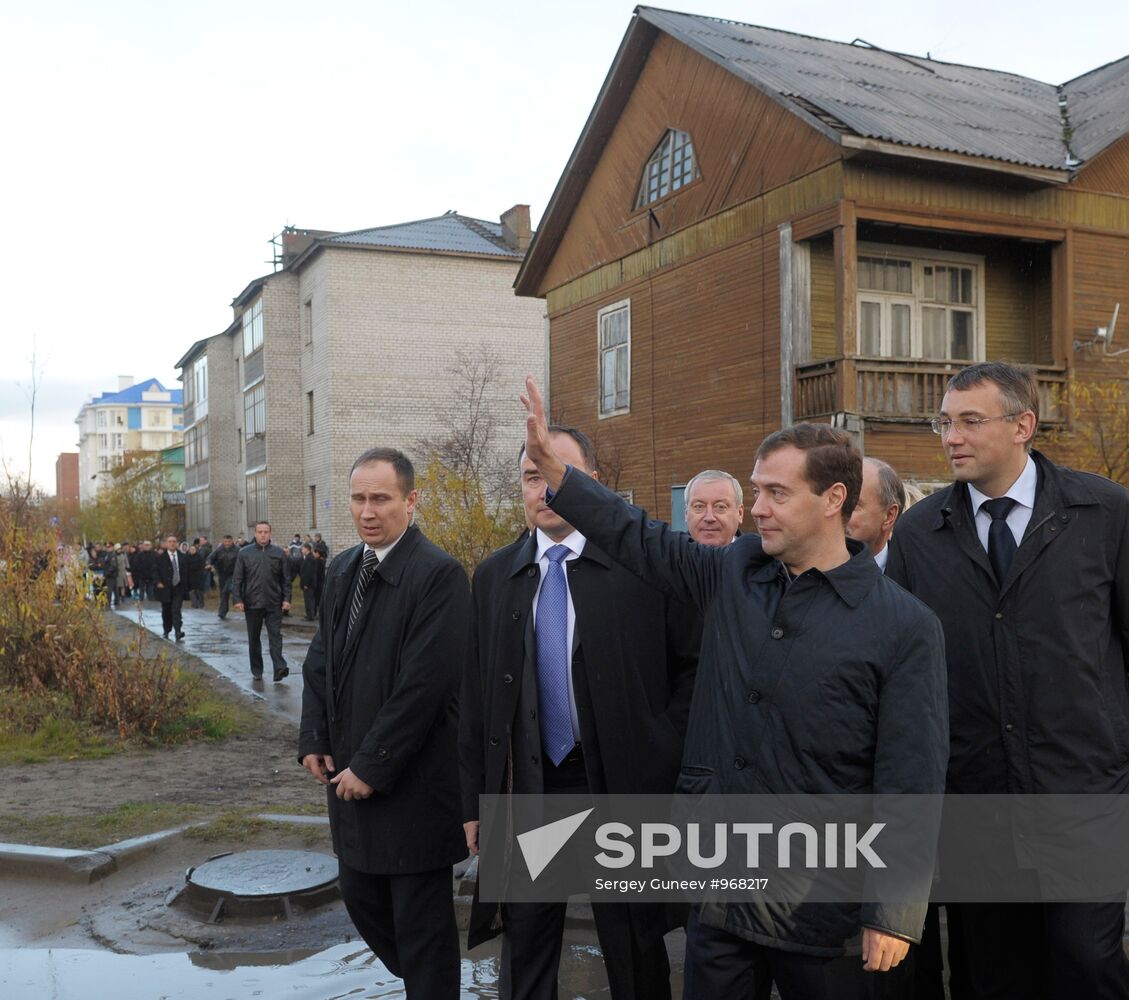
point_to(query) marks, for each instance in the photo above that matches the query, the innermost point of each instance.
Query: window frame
(255, 411)
(253, 331)
(665, 148)
(623, 305)
(919, 258)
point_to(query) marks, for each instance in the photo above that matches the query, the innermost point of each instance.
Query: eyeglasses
(966, 425)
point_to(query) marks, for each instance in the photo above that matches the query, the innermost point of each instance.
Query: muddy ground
(257, 769)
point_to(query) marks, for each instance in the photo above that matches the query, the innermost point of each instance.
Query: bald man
(882, 499)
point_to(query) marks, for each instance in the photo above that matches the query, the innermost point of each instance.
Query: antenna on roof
(896, 55)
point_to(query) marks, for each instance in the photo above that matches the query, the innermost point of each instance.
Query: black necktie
(1001, 542)
(368, 567)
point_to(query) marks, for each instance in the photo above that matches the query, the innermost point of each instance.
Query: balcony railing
(898, 391)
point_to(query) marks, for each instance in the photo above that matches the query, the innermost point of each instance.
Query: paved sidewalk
(223, 646)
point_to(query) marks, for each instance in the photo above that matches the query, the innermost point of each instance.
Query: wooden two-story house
(757, 227)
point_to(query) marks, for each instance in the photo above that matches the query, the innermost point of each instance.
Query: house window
(921, 306)
(101, 418)
(310, 412)
(196, 444)
(199, 510)
(668, 168)
(196, 384)
(256, 497)
(253, 328)
(255, 411)
(308, 321)
(614, 324)
(313, 506)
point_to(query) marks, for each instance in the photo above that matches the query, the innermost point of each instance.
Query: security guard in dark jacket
(260, 587)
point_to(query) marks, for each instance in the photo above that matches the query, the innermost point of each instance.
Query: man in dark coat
(308, 572)
(261, 587)
(1027, 565)
(380, 725)
(631, 671)
(172, 586)
(794, 610)
(223, 562)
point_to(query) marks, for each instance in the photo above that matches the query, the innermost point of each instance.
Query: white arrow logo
(541, 845)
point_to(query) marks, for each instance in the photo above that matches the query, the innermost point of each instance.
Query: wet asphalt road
(223, 645)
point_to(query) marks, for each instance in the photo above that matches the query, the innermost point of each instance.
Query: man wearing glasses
(1027, 565)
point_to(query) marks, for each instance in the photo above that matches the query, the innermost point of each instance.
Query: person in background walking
(308, 575)
(172, 587)
(223, 564)
(261, 588)
(195, 576)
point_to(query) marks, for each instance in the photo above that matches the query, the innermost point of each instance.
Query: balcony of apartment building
(889, 325)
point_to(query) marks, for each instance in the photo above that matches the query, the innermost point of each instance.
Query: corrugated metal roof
(911, 100)
(1098, 103)
(449, 233)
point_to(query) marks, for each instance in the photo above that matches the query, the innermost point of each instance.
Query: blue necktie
(553, 659)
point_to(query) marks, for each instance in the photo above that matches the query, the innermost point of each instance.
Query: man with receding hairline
(882, 499)
(794, 609)
(379, 726)
(715, 507)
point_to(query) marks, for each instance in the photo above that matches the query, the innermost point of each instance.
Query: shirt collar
(382, 552)
(574, 542)
(883, 557)
(1022, 491)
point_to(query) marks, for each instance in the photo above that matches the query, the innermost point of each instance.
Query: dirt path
(256, 770)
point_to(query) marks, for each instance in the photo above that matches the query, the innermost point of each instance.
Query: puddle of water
(346, 970)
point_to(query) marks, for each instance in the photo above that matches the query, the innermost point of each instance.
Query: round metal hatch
(261, 884)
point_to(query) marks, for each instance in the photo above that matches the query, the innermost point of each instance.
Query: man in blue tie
(578, 681)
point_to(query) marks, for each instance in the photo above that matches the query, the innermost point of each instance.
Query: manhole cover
(261, 883)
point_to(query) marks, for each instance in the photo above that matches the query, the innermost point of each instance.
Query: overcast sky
(151, 150)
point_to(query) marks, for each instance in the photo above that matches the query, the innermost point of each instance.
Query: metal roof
(449, 233)
(912, 100)
(135, 392)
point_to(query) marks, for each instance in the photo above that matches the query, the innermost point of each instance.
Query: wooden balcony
(898, 391)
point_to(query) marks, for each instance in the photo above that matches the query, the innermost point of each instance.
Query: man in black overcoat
(631, 668)
(379, 727)
(1026, 563)
(172, 586)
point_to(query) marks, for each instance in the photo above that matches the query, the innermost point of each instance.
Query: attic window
(668, 168)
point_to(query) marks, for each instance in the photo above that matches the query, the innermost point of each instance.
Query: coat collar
(852, 580)
(524, 555)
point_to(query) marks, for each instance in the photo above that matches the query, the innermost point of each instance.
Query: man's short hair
(710, 475)
(267, 523)
(830, 457)
(1017, 384)
(583, 442)
(307, 548)
(226, 537)
(890, 488)
(401, 465)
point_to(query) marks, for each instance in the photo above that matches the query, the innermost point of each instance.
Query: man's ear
(836, 496)
(595, 474)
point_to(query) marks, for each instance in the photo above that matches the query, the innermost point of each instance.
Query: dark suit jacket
(1037, 668)
(165, 589)
(383, 704)
(633, 674)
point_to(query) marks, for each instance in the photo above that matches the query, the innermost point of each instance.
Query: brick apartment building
(348, 344)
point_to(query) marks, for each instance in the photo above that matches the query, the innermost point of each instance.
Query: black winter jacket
(261, 580)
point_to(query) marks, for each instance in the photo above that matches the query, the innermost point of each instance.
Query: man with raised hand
(579, 682)
(380, 726)
(794, 610)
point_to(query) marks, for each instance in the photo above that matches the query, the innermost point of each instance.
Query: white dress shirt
(575, 544)
(883, 557)
(1022, 491)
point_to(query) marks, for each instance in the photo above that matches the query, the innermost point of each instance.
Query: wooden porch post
(846, 287)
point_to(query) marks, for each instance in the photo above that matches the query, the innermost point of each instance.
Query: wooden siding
(744, 144)
(968, 203)
(822, 298)
(753, 217)
(1017, 311)
(914, 452)
(1108, 172)
(705, 372)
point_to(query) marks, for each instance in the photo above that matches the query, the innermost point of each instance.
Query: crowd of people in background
(118, 572)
